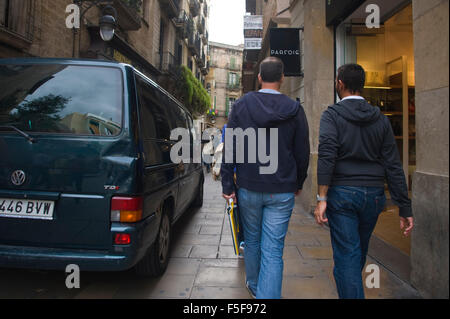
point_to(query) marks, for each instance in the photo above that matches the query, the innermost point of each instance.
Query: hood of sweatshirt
(357, 111)
(267, 110)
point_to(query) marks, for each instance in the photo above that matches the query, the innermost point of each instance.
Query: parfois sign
(285, 44)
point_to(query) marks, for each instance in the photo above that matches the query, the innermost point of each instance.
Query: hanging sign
(285, 44)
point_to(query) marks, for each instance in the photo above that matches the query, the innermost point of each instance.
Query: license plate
(24, 208)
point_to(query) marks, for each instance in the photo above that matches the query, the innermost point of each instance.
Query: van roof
(60, 61)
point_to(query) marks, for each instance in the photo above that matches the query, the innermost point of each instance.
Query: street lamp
(108, 21)
(108, 24)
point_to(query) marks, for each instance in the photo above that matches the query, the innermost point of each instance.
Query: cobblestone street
(203, 265)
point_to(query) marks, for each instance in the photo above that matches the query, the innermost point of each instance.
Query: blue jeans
(265, 219)
(352, 214)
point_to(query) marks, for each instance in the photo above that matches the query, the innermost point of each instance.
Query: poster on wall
(285, 44)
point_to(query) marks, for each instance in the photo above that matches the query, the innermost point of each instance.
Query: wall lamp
(108, 21)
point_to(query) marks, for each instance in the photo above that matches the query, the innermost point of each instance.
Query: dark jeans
(352, 216)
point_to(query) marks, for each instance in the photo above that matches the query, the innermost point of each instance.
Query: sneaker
(250, 290)
(241, 249)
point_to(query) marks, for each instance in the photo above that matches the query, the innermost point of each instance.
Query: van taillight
(126, 209)
(122, 239)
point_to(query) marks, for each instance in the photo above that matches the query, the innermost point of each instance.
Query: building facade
(155, 36)
(224, 79)
(407, 77)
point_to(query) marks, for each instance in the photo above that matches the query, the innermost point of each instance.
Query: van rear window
(61, 99)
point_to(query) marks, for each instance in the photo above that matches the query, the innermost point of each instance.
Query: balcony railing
(198, 44)
(201, 24)
(194, 7)
(128, 13)
(234, 67)
(205, 37)
(17, 19)
(205, 69)
(234, 86)
(181, 23)
(171, 7)
(168, 63)
(191, 33)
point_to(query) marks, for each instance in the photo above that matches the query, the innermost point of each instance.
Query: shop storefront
(387, 55)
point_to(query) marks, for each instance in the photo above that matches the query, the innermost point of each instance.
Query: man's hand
(228, 197)
(319, 213)
(406, 225)
(298, 193)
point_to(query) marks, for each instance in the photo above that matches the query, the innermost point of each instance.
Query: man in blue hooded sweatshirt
(266, 196)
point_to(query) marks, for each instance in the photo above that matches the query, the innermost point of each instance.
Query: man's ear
(260, 79)
(282, 79)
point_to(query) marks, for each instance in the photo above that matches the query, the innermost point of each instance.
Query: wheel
(198, 201)
(155, 262)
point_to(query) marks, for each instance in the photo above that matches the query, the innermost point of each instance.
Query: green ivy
(192, 93)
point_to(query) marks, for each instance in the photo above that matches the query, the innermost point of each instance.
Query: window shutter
(227, 106)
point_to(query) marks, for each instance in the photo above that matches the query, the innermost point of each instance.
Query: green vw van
(86, 176)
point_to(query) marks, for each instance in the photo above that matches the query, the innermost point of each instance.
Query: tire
(198, 201)
(155, 262)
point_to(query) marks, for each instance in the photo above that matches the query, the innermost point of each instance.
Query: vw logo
(18, 178)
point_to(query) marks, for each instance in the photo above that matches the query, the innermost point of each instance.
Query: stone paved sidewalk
(203, 264)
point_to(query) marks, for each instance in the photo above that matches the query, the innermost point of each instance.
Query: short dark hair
(353, 76)
(271, 69)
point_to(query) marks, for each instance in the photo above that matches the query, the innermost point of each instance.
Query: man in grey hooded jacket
(357, 153)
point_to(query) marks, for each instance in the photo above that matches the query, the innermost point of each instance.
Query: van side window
(177, 115)
(154, 117)
(192, 128)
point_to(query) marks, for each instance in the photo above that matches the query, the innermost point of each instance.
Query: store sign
(253, 32)
(119, 57)
(285, 44)
(253, 22)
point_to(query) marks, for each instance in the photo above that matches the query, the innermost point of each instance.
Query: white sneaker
(249, 290)
(241, 249)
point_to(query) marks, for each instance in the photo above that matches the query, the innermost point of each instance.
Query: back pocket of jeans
(380, 202)
(341, 201)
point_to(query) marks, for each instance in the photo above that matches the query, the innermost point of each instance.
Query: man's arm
(301, 148)
(396, 179)
(328, 152)
(328, 149)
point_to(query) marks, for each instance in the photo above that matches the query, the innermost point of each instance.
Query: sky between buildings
(226, 21)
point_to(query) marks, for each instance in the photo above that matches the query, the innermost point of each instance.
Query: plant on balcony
(192, 93)
(134, 4)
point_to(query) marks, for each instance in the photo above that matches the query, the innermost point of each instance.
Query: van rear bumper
(118, 258)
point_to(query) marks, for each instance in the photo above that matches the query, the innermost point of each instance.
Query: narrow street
(203, 265)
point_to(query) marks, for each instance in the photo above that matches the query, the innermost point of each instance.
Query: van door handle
(180, 167)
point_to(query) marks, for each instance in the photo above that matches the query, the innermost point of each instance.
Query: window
(233, 62)
(154, 116)
(233, 80)
(16, 16)
(62, 99)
